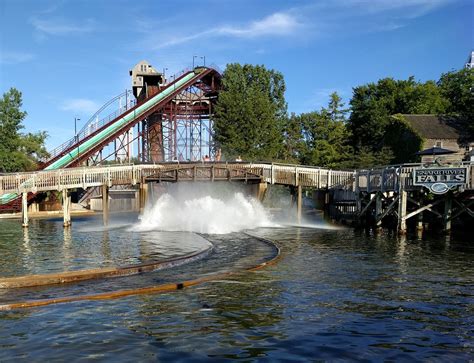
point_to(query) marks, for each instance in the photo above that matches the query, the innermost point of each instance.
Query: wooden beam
(389, 208)
(366, 207)
(426, 207)
(464, 208)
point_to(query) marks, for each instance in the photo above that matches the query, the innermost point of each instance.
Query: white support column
(299, 202)
(402, 212)
(105, 204)
(24, 209)
(448, 210)
(143, 195)
(378, 210)
(66, 208)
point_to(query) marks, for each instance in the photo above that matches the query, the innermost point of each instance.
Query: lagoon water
(334, 294)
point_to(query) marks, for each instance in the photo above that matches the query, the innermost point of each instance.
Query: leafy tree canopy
(458, 88)
(374, 103)
(18, 151)
(249, 114)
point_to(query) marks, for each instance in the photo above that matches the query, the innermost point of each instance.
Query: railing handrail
(86, 129)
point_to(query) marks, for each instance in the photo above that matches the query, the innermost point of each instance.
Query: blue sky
(70, 57)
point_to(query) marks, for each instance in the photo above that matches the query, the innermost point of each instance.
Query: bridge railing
(390, 178)
(396, 177)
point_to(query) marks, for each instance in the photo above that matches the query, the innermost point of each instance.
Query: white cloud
(277, 24)
(80, 106)
(60, 26)
(15, 57)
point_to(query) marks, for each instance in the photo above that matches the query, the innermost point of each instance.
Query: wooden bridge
(380, 192)
(65, 180)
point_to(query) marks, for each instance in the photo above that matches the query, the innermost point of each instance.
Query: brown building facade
(444, 132)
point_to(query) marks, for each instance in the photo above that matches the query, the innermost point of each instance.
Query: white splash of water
(205, 214)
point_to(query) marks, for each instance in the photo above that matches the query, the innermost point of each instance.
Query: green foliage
(250, 112)
(366, 158)
(402, 139)
(458, 88)
(251, 119)
(324, 138)
(18, 151)
(374, 103)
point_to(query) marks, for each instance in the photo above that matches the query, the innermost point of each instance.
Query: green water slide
(86, 145)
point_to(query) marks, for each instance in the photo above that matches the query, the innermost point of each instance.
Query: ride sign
(439, 180)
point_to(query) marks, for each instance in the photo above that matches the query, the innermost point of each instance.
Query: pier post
(402, 212)
(143, 195)
(378, 211)
(419, 224)
(66, 208)
(261, 191)
(24, 209)
(299, 203)
(105, 204)
(448, 210)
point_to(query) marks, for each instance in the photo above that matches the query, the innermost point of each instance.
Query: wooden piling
(378, 211)
(24, 209)
(261, 190)
(448, 210)
(299, 203)
(66, 208)
(402, 212)
(143, 195)
(105, 204)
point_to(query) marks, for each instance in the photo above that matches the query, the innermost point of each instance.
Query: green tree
(326, 137)
(458, 88)
(403, 139)
(294, 145)
(18, 152)
(250, 113)
(374, 103)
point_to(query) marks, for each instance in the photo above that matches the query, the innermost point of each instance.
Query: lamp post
(194, 57)
(75, 133)
(164, 76)
(204, 58)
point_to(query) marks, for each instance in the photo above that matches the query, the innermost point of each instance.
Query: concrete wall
(116, 203)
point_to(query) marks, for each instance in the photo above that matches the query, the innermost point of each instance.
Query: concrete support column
(66, 208)
(402, 212)
(299, 203)
(143, 195)
(448, 210)
(261, 190)
(24, 209)
(378, 211)
(105, 204)
(327, 208)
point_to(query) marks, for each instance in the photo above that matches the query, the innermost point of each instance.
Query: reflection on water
(47, 247)
(335, 294)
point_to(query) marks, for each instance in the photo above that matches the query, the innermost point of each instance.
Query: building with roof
(442, 131)
(470, 61)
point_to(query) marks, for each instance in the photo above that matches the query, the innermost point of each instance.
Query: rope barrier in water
(145, 290)
(81, 275)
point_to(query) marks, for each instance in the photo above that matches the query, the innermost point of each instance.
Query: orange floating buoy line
(156, 289)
